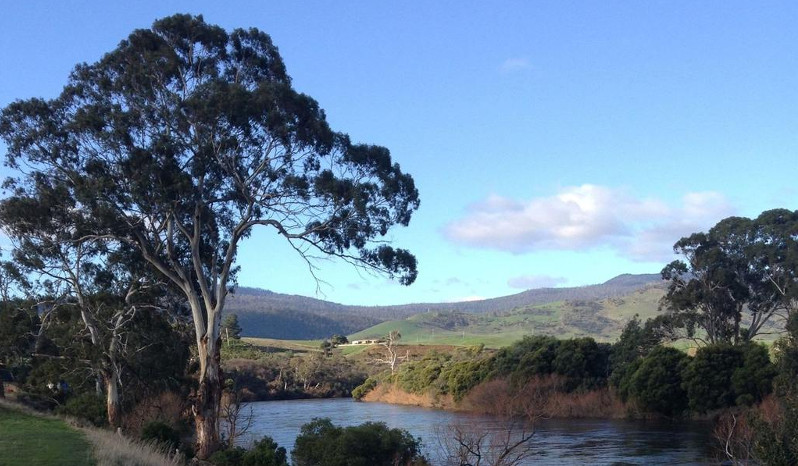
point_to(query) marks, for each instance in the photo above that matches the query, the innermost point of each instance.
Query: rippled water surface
(570, 441)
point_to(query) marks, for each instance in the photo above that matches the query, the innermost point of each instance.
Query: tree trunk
(208, 401)
(112, 400)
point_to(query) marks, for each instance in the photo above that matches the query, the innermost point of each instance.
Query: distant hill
(267, 314)
(602, 319)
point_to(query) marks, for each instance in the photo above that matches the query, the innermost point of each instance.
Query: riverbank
(392, 394)
(498, 398)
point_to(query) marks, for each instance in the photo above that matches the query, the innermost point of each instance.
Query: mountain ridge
(265, 313)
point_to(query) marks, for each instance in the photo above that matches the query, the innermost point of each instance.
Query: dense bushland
(636, 376)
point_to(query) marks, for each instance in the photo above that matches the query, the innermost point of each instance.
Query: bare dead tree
(236, 421)
(392, 357)
(505, 441)
(736, 438)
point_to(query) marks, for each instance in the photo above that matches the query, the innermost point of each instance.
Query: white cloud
(586, 217)
(515, 64)
(530, 282)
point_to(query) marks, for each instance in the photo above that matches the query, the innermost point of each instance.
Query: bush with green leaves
(321, 443)
(162, 433)
(421, 376)
(265, 452)
(753, 380)
(87, 406)
(656, 384)
(583, 362)
(708, 377)
(361, 390)
(722, 376)
(636, 341)
(462, 376)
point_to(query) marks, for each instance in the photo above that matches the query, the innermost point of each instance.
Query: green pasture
(28, 440)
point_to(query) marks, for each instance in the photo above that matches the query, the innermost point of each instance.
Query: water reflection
(572, 441)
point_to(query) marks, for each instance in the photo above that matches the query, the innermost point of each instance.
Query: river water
(556, 442)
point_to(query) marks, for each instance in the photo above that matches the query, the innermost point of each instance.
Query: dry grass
(111, 449)
(542, 396)
(390, 393)
(107, 448)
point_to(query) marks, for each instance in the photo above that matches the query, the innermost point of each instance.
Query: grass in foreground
(28, 440)
(112, 450)
(32, 439)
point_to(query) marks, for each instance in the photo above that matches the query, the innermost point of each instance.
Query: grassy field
(602, 320)
(32, 439)
(271, 344)
(28, 440)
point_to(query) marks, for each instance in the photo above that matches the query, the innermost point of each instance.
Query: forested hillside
(263, 313)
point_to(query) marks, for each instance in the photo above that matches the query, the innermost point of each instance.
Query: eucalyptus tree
(703, 291)
(183, 139)
(106, 283)
(774, 254)
(740, 266)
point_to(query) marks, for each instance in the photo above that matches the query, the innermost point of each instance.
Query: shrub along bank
(634, 377)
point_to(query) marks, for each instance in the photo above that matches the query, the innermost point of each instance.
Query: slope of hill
(602, 319)
(263, 313)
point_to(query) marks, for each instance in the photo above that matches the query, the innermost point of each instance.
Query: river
(556, 442)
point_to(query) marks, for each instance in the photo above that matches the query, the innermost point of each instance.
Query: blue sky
(553, 143)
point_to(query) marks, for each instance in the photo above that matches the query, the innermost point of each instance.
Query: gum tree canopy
(183, 139)
(740, 266)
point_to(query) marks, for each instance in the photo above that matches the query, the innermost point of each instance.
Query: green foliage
(635, 342)
(18, 324)
(321, 443)
(86, 406)
(583, 362)
(265, 452)
(530, 356)
(420, 376)
(239, 349)
(161, 432)
(440, 373)
(656, 382)
(338, 340)
(326, 347)
(462, 376)
(740, 264)
(708, 378)
(230, 328)
(786, 382)
(161, 357)
(776, 443)
(721, 376)
(361, 390)
(228, 457)
(753, 380)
